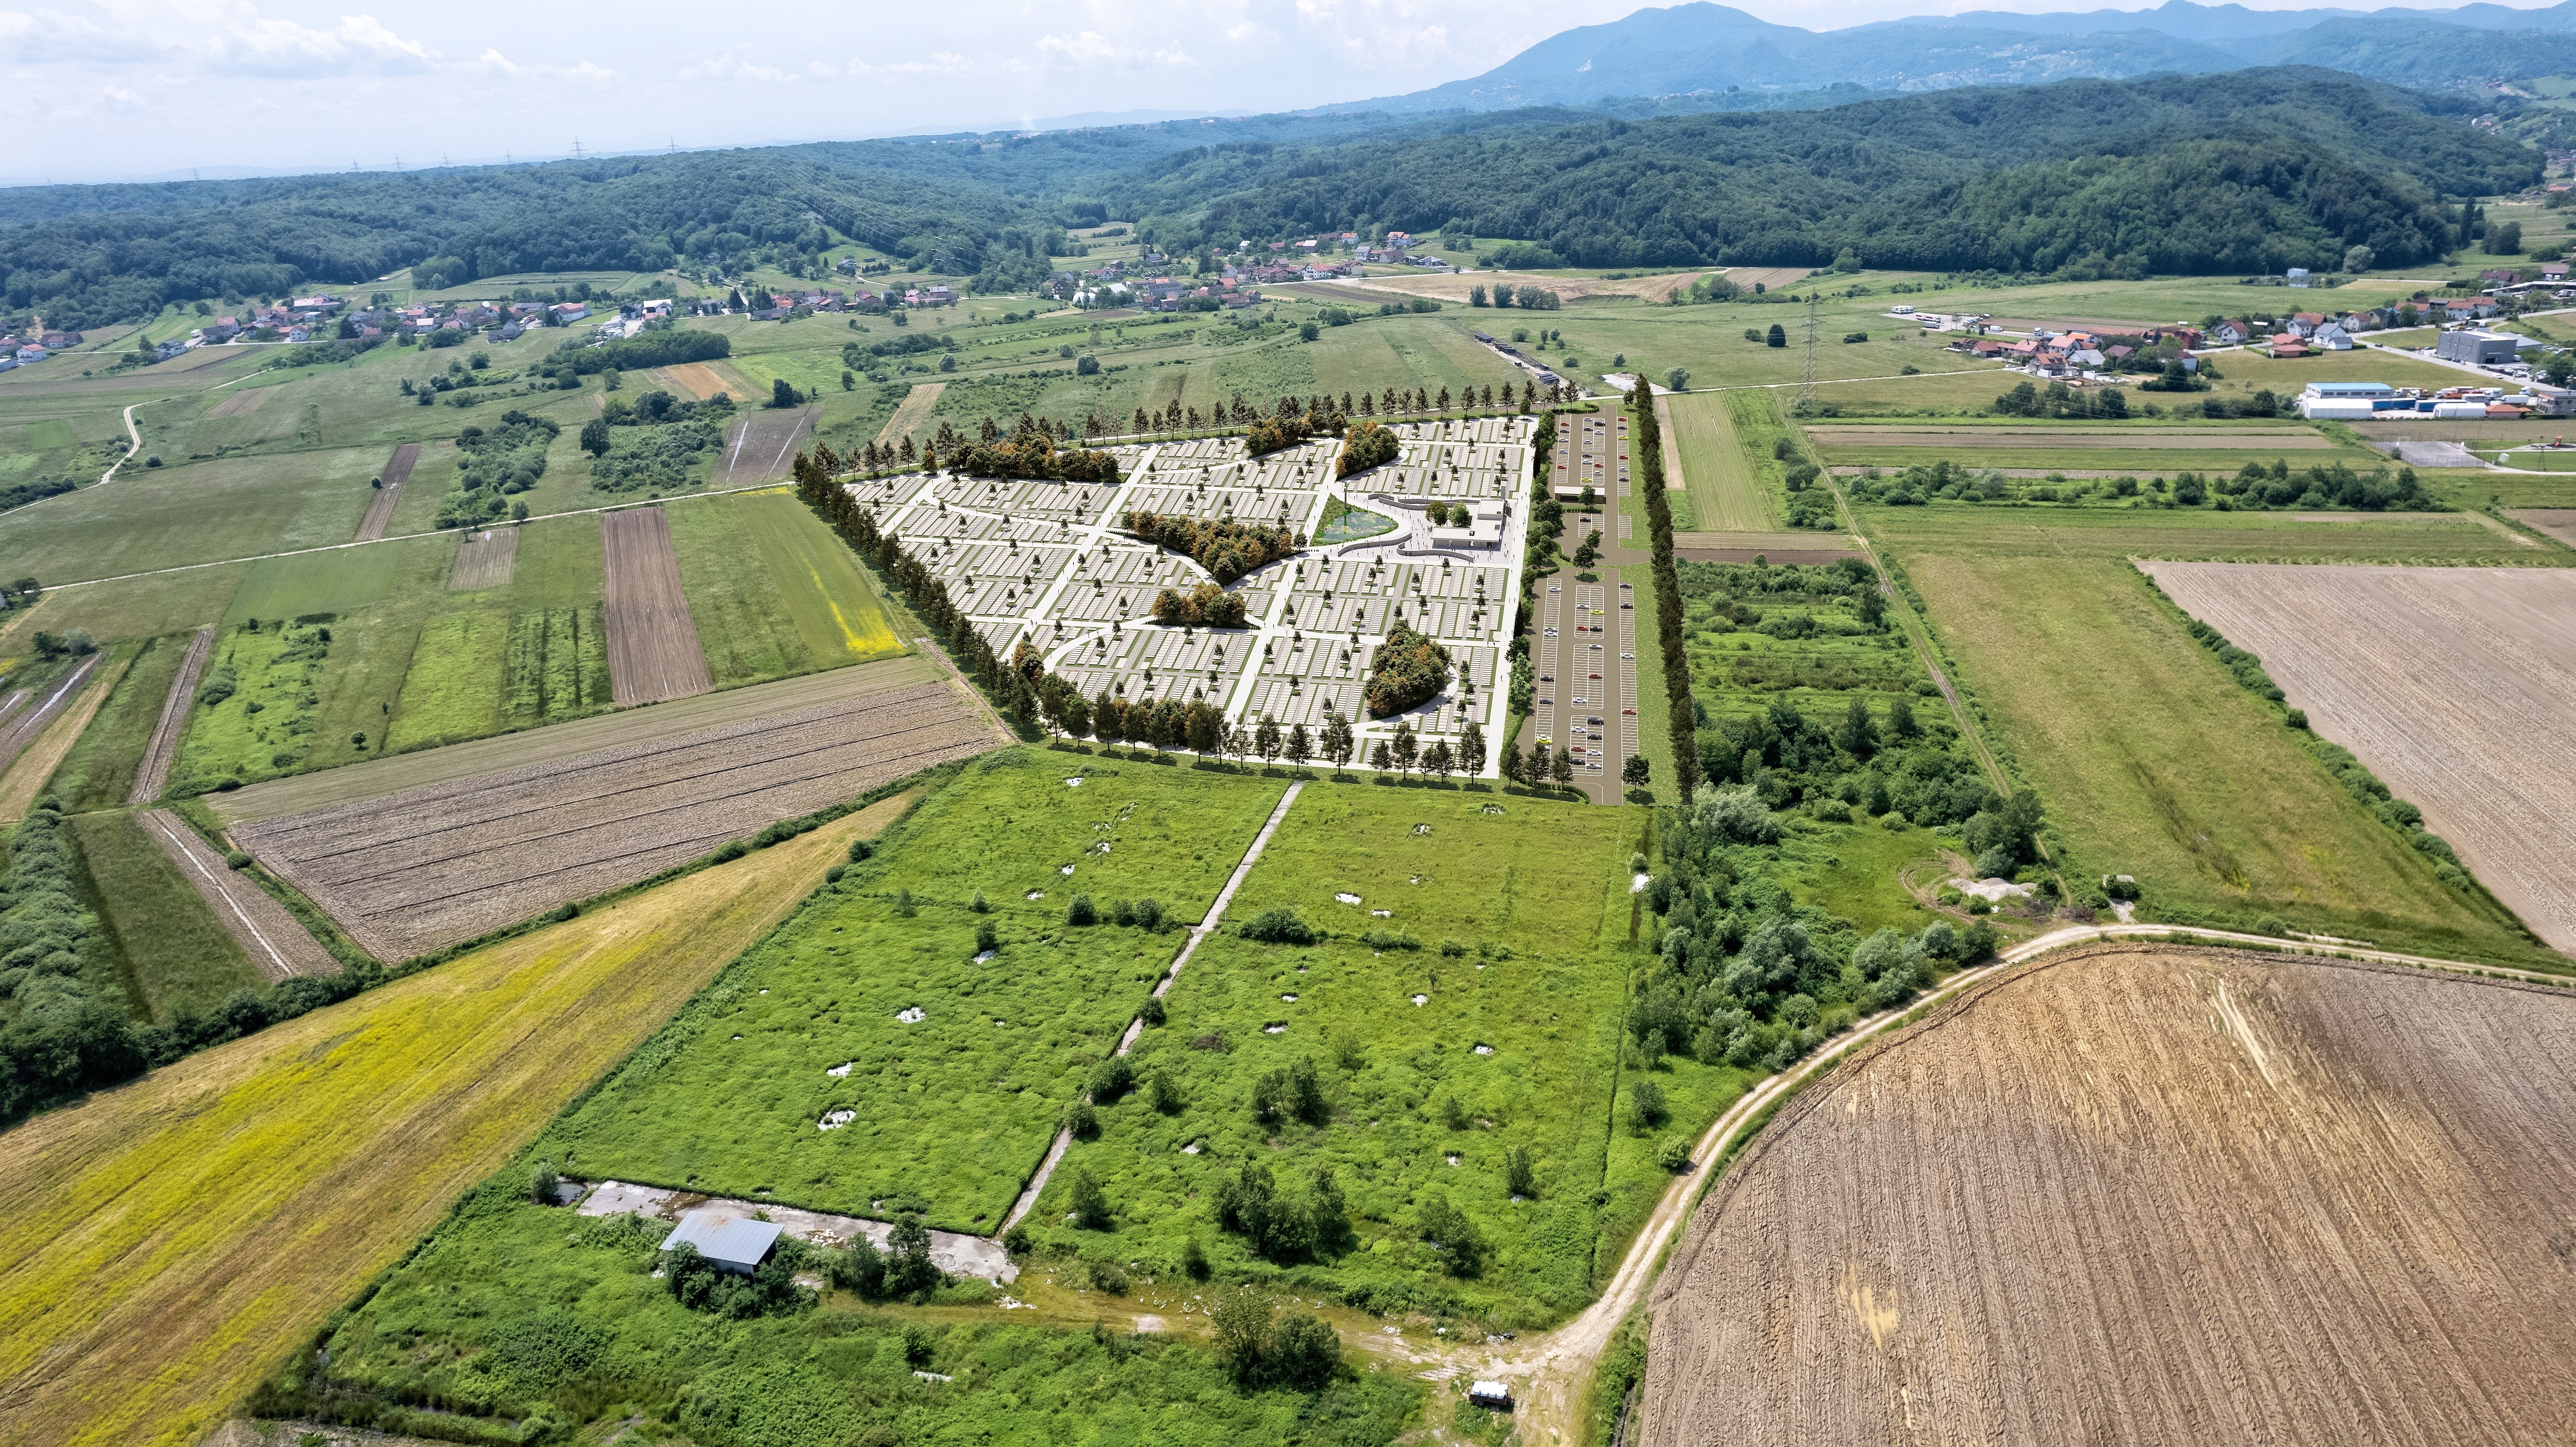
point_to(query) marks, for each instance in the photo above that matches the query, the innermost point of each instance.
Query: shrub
(1194, 1262)
(1520, 1171)
(1674, 1155)
(1646, 1105)
(985, 939)
(1080, 912)
(1152, 1011)
(860, 849)
(1090, 1208)
(1278, 925)
(1112, 1078)
(1082, 1120)
(541, 1186)
(1107, 1276)
(238, 859)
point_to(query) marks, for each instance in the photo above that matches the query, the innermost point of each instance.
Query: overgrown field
(161, 951)
(949, 1110)
(1942, 1239)
(1463, 1009)
(180, 1235)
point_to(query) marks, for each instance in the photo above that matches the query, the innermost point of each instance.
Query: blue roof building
(734, 1243)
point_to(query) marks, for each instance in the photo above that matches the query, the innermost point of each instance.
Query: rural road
(1549, 1374)
(1136, 1027)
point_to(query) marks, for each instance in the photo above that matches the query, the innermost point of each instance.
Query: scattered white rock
(1484, 1049)
(834, 1120)
(911, 1015)
(1456, 1159)
(2126, 909)
(1036, 894)
(1383, 913)
(737, 1037)
(1074, 783)
(1347, 897)
(840, 1070)
(1422, 999)
(1274, 1029)
(1191, 1149)
(1067, 870)
(1993, 891)
(1638, 882)
(1291, 999)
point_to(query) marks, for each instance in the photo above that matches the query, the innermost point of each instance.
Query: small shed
(733, 1242)
(1491, 1394)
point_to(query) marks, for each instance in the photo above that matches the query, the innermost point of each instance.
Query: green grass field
(1972, 530)
(2152, 761)
(1529, 898)
(773, 590)
(1726, 492)
(166, 950)
(99, 771)
(529, 652)
(953, 1110)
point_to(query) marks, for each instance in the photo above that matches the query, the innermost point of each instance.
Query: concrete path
(1162, 987)
(981, 1257)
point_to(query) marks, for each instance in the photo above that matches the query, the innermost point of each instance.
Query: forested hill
(2249, 171)
(138, 246)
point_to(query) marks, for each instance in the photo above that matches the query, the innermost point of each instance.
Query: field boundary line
(1136, 1027)
(163, 751)
(211, 887)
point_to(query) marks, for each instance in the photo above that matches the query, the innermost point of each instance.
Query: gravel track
(275, 941)
(409, 872)
(653, 649)
(2452, 684)
(380, 511)
(164, 748)
(2196, 1197)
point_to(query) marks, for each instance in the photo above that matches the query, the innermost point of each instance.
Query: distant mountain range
(1707, 48)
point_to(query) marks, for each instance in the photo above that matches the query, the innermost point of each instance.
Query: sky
(155, 89)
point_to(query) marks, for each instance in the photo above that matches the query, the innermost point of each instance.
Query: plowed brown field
(410, 872)
(653, 648)
(2457, 686)
(2150, 1195)
(380, 510)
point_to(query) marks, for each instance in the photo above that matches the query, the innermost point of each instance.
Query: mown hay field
(951, 1109)
(2148, 1195)
(2452, 684)
(2152, 761)
(1724, 489)
(177, 1237)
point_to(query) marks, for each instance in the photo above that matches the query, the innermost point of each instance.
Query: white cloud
(735, 68)
(1090, 50)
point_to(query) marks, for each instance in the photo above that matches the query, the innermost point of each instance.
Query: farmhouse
(733, 1243)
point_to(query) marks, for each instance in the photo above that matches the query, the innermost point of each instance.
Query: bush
(1646, 1105)
(860, 849)
(1151, 1012)
(238, 859)
(1082, 1120)
(542, 1185)
(1278, 925)
(1080, 912)
(1674, 1155)
(1090, 1208)
(1107, 1276)
(1111, 1079)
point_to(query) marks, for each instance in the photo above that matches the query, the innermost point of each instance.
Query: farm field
(653, 652)
(46, 731)
(183, 665)
(184, 1230)
(773, 590)
(166, 952)
(2151, 760)
(2447, 682)
(950, 1109)
(1725, 488)
(2146, 1195)
(48, 694)
(99, 769)
(276, 945)
(412, 871)
(513, 640)
(2091, 532)
(380, 508)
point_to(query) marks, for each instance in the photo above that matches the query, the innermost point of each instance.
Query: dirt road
(164, 748)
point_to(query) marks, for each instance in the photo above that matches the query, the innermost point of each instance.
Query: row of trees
(1668, 595)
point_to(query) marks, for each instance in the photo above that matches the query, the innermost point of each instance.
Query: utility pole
(1806, 402)
(576, 148)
